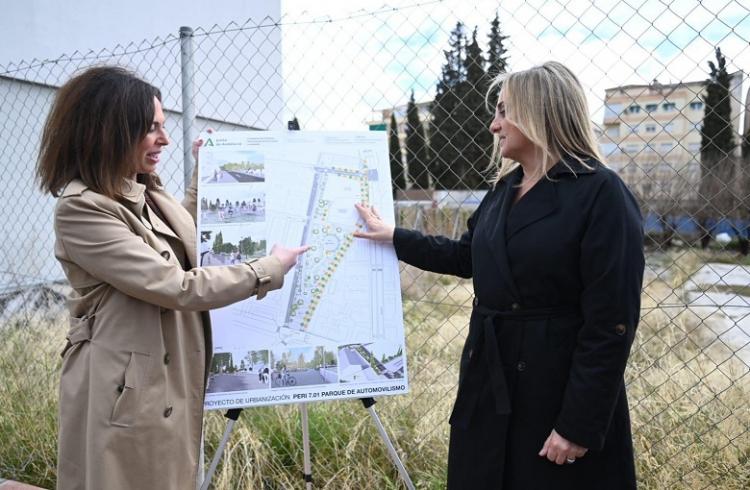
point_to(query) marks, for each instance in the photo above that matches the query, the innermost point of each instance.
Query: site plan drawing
(335, 329)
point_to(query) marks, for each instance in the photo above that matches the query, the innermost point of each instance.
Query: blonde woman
(135, 365)
(555, 253)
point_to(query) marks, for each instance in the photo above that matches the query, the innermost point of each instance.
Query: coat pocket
(126, 405)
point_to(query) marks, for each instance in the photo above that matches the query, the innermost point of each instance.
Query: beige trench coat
(134, 372)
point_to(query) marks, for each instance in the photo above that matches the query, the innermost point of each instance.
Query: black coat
(557, 282)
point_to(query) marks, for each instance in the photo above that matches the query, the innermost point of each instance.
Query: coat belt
(485, 340)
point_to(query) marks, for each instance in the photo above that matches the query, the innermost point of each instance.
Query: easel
(234, 413)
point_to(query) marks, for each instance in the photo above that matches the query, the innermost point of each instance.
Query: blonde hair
(549, 107)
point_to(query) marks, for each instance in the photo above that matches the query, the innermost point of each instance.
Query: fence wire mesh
(665, 85)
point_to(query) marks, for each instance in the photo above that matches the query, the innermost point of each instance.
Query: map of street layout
(337, 321)
(329, 240)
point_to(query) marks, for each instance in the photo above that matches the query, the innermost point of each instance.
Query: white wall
(26, 247)
(237, 77)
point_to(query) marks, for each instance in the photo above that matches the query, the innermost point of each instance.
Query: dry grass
(689, 402)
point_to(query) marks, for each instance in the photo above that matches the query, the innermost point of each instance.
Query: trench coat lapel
(538, 203)
(496, 238)
(160, 226)
(179, 219)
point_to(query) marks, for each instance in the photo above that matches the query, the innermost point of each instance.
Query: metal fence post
(188, 104)
(188, 119)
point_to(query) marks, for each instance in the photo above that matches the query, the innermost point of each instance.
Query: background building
(652, 135)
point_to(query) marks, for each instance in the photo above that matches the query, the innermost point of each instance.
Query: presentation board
(335, 329)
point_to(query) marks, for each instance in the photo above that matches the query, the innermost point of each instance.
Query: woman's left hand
(560, 450)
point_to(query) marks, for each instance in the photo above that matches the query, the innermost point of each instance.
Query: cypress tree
(416, 147)
(717, 151)
(497, 57)
(717, 137)
(398, 180)
(446, 117)
(475, 136)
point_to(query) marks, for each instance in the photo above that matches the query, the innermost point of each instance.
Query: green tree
(330, 358)
(717, 135)
(246, 246)
(475, 139)
(218, 243)
(416, 147)
(221, 362)
(716, 187)
(497, 57)
(445, 129)
(394, 151)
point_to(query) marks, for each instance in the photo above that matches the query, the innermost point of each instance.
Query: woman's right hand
(197, 143)
(288, 256)
(377, 229)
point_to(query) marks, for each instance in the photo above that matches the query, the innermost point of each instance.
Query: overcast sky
(370, 57)
(344, 59)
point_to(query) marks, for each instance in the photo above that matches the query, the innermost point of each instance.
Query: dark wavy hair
(92, 131)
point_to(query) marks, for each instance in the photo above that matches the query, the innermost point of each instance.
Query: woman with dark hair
(555, 250)
(139, 347)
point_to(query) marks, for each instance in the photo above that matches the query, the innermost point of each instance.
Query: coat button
(476, 301)
(521, 366)
(166, 358)
(120, 388)
(471, 353)
(620, 329)
(167, 412)
(515, 306)
(165, 254)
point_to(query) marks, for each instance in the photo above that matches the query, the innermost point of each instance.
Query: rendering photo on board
(239, 371)
(371, 361)
(227, 246)
(303, 366)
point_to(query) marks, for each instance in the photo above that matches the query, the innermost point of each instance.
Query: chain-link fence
(665, 84)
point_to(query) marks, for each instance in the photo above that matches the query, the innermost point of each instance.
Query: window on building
(632, 149)
(608, 149)
(650, 128)
(669, 107)
(613, 130)
(696, 105)
(694, 147)
(612, 110)
(649, 149)
(665, 148)
(651, 107)
(634, 109)
(668, 128)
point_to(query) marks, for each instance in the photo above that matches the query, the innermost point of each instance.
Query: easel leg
(232, 415)
(307, 474)
(368, 403)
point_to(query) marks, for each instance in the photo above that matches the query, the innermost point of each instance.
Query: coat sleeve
(190, 201)
(612, 264)
(100, 242)
(437, 253)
